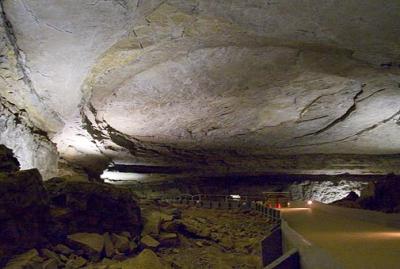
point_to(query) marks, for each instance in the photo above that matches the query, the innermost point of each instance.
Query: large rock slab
(147, 259)
(24, 212)
(92, 207)
(91, 243)
(121, 243)
(276, 79)
(8, 163)
(29, 259)
(149, 242)
(153, 220)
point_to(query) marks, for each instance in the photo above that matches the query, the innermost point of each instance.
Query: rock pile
(112, 250)
(74, 224)
(40, 215)
(214, 238)
(91, 207)
(62, 256)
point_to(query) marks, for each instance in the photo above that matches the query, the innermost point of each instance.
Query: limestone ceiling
(175, 81)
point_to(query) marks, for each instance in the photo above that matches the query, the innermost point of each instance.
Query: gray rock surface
(30, 146)
(216, 86)
(325, 191)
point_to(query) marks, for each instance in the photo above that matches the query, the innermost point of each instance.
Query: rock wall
(24, 212)
(325, 191)
(31, 146)
(8, 163)
(34, 214)
(25, 121)
(91, 207)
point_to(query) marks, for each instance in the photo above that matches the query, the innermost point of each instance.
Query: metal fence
(225, 202)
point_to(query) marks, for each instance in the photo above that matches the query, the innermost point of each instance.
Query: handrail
(227, 203)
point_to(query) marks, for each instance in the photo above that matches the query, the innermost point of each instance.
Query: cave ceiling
(221, 86)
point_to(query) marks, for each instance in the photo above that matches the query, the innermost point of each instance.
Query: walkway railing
(271, 245)
(226, 202)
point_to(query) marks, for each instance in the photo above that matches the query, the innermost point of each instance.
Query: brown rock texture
(24, 212)
(33, 215)
(92, 207)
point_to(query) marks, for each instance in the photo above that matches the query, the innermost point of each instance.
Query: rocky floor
(172, 237)
(217, 239)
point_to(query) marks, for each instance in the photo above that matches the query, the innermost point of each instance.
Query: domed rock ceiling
(214, 87)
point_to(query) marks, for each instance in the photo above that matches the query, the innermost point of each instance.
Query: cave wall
(32, 148)
(25, 122)
(321, 188)
(325, 191)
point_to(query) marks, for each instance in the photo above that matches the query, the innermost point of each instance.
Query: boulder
(50, 255)
(8, 163)
(24, 213)
(92, 207)
(121, 243)
(50, 264)
(132, 246)
(227, 242)
(153, 220)
(147, 259)
(91, 243)
(195, 228)
(29, 259)
(108, 245)
(149, 242)
(171, 226)
(152, 223)
(63, 249)
(168, 239)
(349, 201)
(75, 262)
(126, 234)
(176, 213)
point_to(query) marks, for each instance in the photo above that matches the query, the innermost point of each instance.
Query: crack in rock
(342, 118)
(370, 128)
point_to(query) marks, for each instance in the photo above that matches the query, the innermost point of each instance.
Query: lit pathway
(353, 243)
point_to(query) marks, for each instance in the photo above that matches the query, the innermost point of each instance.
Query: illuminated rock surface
(227, 87)
(196, 94)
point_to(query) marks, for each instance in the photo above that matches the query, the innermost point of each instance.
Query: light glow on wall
(115, 176)
(235, 196)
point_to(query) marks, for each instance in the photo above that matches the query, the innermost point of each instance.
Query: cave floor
(221, 240)
(353, 243)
